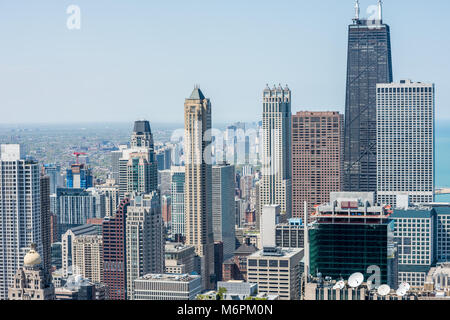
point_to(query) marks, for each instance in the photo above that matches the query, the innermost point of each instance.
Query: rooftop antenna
(357, 10)
(380, 10)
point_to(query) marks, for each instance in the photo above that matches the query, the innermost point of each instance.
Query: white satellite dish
(403, 289)
(339, 285)
(355, 280)
(405, 286)
(383, 290)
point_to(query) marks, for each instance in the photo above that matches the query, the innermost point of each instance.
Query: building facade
(177, 195)
(275, 187)
(405, 142)
(167, 287)
(223, 212)
(317, 144)
(198, 191)
(144, 238)
(20, 211)
(369, 62)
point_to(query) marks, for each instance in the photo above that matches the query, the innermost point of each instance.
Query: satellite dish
(403, 289)
(339, 285)
(383, 290)
(355, 280)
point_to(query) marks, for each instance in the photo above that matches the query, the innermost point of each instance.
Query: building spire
(380, 10)
(357, 10)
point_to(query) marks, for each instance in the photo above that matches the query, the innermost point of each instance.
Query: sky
(135, 59)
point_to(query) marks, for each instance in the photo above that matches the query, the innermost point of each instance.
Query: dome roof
(32, 258)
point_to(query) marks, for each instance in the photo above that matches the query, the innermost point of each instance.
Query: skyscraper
(20, 211)
(114, 254)
(316, 158)
(369, 62)
(46, 228)
(79, 176)
(137, 165)
(223, 207)
(197, 196)
(275, 187)
(177, 210)
(144, 238)
(405, 142)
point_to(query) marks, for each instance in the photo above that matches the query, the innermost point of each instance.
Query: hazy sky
(140, 59)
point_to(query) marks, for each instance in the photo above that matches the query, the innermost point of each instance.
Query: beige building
(179, 258)
(275, 186)
(144, 238)
(198, 175)
(29, 282)
(277, 271)
(87, 258)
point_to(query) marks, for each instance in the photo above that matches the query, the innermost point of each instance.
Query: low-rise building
(167, 287)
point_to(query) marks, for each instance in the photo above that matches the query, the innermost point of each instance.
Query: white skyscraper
(275, 187)
(405, 142)
(20, 212)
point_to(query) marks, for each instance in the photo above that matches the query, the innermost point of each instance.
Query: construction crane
(78, 154)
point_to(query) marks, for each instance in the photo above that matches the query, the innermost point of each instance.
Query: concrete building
(443, 232)
(438, 279)
(144, 238)
(179, 258)
(74, 207)
(78, 288)
(167, 287)
(317, 144)
(30, 281)
(67, 245)
(290, 234)
(198, 189)
(238, 289)
(110, 191)
(87, 257)
(405, 142)
(269, 219)
(177, 197)
(416, 238)
(20, 211)
(275, 187)
(223, 212)
(277, 271)
(235, 268)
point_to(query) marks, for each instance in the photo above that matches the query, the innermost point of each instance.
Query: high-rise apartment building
(144, 238)
(177, 198)
(46, 227)
(114, 254)
(223, 210)
(416, 237)
(197, 196)
(368, 62)
(317, 139)
(73, 207)
(20, 211)
(87, 257)
(405, 142)
(275, 187)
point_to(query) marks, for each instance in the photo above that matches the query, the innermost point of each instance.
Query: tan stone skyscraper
(198, 192)
(275, 186)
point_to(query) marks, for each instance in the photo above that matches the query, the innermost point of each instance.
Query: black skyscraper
(369, 62)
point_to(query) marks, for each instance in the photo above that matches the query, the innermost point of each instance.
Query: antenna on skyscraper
(357, 10)
(380, 10)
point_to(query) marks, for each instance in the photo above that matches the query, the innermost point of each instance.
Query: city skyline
(102, 83)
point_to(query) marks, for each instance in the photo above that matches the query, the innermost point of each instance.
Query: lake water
(442, 154)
